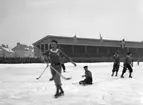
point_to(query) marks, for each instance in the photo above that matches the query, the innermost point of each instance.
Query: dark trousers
(63, 66)
(115, 67)
(87, 81)
(127, 66)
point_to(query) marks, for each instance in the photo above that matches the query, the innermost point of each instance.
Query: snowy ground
(18, 86)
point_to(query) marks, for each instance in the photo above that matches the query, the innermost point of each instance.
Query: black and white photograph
(71, 52)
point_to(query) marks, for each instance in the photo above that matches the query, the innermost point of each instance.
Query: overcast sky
(27, 21)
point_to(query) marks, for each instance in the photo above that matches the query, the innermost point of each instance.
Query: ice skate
(130, 76)
(61, 93)
(51, 79)
(122, 76)
(57, 95)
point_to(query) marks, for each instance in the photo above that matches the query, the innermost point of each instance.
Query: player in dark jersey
(55, 55)
(116, 64)
(128, 63)
(88, 77)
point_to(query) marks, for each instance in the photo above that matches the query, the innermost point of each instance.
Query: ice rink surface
(18, 86)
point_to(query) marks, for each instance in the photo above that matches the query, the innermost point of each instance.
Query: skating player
(116, 64)
(55, 54)
(128, 65)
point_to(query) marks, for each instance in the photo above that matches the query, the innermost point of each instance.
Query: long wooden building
(90, 50)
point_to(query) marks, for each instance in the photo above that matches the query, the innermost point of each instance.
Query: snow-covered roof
(22, 47)
(7, 49)
(26, 48)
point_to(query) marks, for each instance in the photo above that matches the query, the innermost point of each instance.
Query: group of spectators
(13, 60)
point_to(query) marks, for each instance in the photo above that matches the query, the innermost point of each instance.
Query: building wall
(8, 54)
(1, 53)
(22, 53)
(19, 53)
(40, 48)
(100, 51)
(91, 51)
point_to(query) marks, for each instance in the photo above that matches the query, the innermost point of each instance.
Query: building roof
(88, 41)
(22, 47)
(6, 49)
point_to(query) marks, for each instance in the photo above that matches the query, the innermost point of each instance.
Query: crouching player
(88, 77)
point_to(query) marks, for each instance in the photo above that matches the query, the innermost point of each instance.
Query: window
(42, 47)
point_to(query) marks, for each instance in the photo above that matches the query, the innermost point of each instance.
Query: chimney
(18, 43)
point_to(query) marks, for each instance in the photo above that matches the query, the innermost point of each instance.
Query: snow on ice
(19, 86)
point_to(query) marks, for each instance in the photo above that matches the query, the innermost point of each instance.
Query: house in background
(1, 52)
(22, 50)
(6, 52)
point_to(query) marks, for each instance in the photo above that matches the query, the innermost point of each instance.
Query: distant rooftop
(87, 41)
(22, 47)
(6, 49)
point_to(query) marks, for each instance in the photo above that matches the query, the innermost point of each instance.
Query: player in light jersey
(54, 55)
